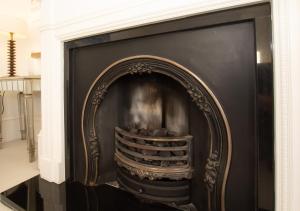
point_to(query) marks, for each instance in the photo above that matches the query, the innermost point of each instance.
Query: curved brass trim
(151, 171)
(217, 103)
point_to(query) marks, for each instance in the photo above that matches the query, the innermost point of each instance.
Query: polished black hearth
(37, 194)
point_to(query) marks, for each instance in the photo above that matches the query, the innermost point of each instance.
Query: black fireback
(230, 52)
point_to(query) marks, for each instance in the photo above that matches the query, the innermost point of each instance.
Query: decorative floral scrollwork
(94, 146)
(143, 173)
(140, 68)
(211, 171)
(140, 172)
(99, 94)
(198, 97)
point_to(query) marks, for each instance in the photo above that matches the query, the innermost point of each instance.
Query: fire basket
(147, 154)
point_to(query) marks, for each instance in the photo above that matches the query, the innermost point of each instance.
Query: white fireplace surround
(60, 23)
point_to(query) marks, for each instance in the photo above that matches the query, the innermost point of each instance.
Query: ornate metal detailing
(215, 177)
(172, 193)
(93, 141)
(94, 146)
(156, 173)
(140, 172)
(211, 171)
(99, 94)
(198, 97)
(94, 154)
(140, 68)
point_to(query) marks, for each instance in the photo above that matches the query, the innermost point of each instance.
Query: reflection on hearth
(37, 194)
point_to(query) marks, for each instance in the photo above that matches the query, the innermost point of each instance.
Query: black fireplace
(178, 113)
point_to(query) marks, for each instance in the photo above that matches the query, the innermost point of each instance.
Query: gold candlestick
(11, 55)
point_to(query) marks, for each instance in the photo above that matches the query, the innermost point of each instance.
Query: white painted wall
(15, 8)
(71, 19)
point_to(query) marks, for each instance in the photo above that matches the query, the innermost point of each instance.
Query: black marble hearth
(37, 194)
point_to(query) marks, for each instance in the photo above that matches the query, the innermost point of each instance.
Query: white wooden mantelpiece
(60, 24)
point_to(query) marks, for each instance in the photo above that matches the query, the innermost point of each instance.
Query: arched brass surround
(218, 162)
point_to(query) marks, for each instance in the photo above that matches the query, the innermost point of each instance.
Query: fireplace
(176, 113)
(153, 150)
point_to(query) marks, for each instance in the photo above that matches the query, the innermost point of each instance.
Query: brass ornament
(211, 171)
(99, 94)
(198, 98)
(11, 43)
(140, 68)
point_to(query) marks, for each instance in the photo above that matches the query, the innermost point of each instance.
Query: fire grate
(154, 154)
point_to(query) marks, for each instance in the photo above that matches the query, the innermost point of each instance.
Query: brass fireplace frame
(202, 96)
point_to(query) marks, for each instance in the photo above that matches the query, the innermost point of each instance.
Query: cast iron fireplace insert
(178, 112)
